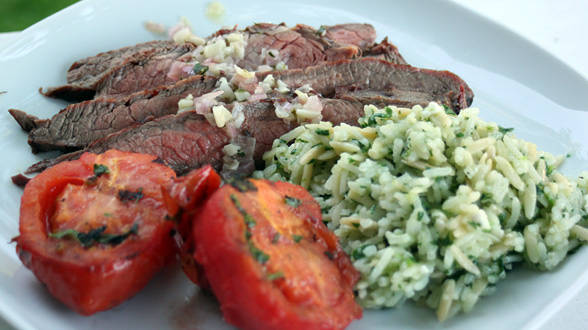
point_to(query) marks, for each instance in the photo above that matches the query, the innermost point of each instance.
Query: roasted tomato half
(184, 196)
(95, 230)
(271, 262)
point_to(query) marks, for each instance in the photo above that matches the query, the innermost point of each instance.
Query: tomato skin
(315, 291)
(101, 276)
(183, 198)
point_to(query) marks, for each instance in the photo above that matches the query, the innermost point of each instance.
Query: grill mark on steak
(402, 82)
(80, 124)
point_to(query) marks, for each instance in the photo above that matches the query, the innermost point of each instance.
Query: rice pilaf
(432, 206)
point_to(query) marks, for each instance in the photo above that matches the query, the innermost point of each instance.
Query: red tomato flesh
(183, 197)
(270, 260)
(123, 208)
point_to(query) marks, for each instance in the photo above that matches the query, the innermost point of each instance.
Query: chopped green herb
(474, 224)
(486, 199)
(410, 260)
(257, 254)
(200, 69)
(95, 236)
(275, 276)
(100, 169)
(372, 120)
(106, 214)
(373, 209)
(420, 215)
(357, 253)
(130, 196)
(459, 135)
(505, 130)
(448, 110)
(292, 201)
(247, 218)
(549, 170)
(324, 132)
(321, 30)
(296, 238)
(329, 255)
(502, 217)
(362, 146)
(444, 241)
(276, 238)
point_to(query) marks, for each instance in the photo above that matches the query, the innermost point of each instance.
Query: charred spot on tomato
(158, 161)
(95, 236)
(130, 196)
(292, 201)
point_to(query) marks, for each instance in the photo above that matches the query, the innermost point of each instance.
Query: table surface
(559, 28)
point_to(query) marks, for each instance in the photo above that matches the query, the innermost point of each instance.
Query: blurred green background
(16, 15)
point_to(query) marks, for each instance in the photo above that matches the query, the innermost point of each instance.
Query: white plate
(516, 85)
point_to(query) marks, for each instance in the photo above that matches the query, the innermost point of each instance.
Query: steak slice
(302, 45)
(405, 83)
(143, 69)
(357, 34)
(187, 140)
(184, 141)
(80, 124)
(150, 65)
(88, 70)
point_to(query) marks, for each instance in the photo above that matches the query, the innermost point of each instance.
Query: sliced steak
(187, 140)
(143, 69)
(80, 124)
(360, 35)
(88, 70)
(150, 65)
(302, 45)
(405, 83)
(183, 142)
